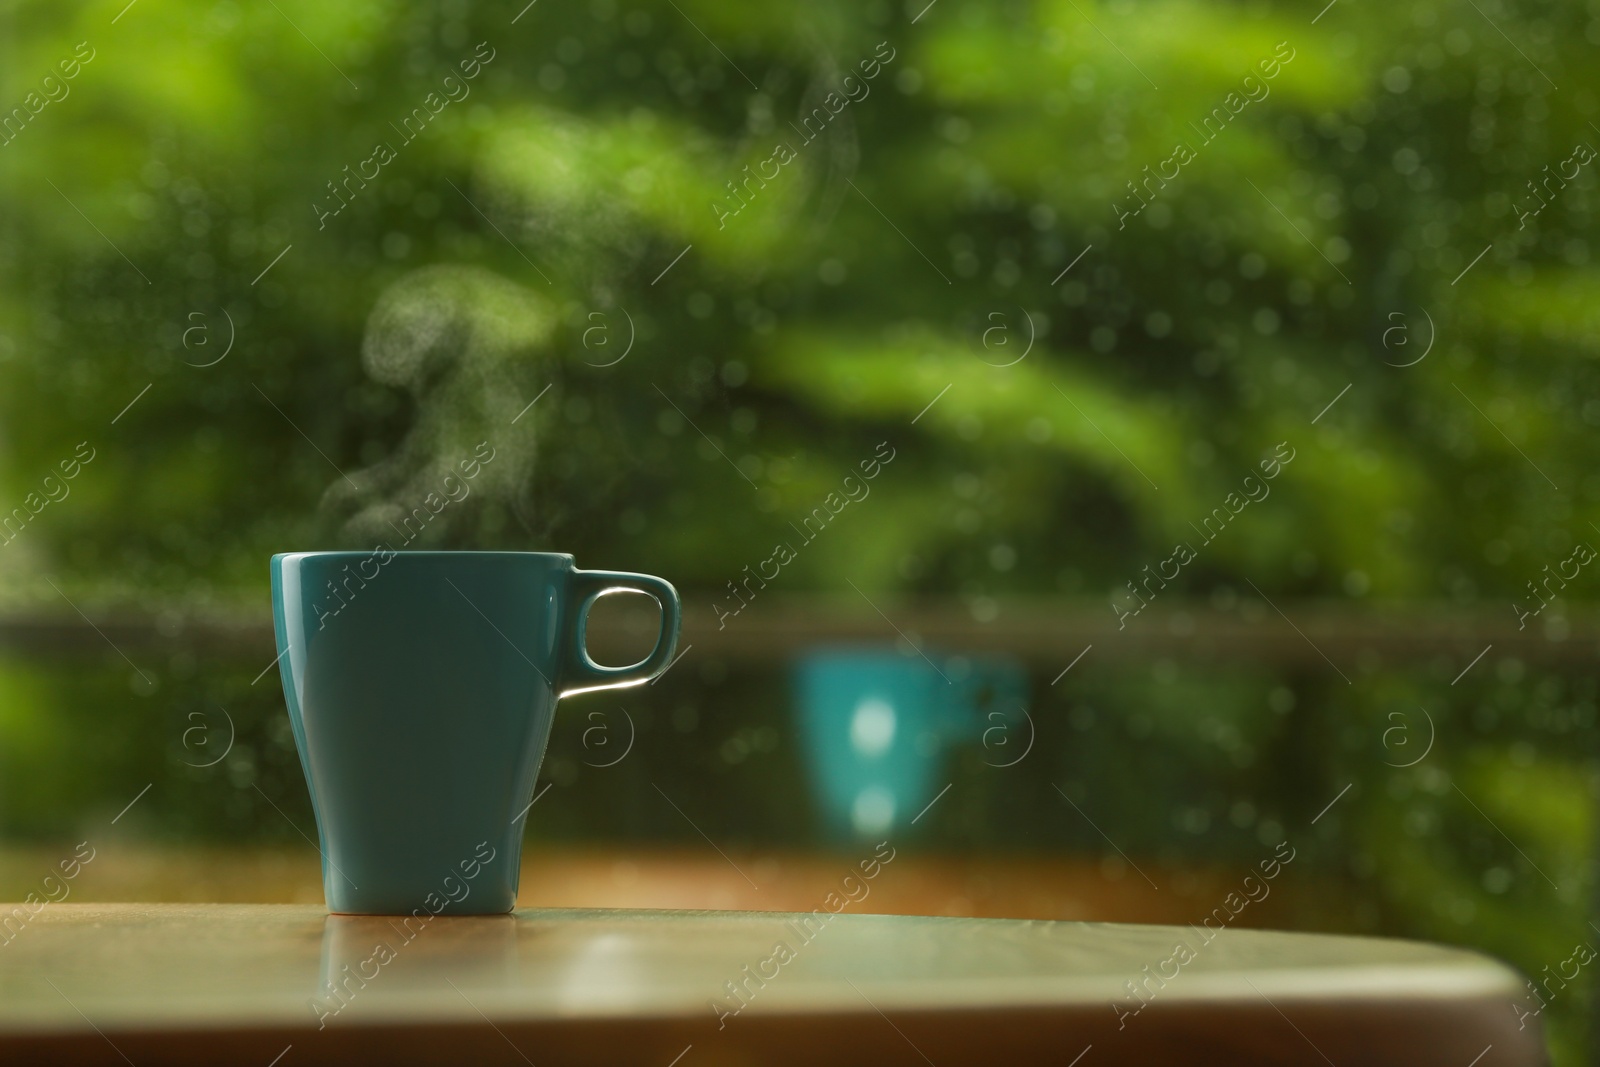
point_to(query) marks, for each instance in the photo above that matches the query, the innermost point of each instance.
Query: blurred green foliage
(972, 200)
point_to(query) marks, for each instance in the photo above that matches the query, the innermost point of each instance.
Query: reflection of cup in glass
(875, 724)
(409, 954)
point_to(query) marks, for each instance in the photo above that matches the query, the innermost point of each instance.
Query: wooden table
(240, 984)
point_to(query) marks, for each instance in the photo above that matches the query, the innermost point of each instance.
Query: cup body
(421, 687)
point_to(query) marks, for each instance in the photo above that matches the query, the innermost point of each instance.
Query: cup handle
(581, 674)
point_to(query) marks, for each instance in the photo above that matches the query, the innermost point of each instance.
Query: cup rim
(363, 552)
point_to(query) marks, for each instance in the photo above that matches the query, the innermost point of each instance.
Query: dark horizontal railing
(1039, 632)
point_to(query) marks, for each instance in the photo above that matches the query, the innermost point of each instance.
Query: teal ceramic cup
(421, 688)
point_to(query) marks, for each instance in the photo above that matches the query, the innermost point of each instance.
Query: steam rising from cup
(466, 344)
